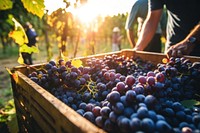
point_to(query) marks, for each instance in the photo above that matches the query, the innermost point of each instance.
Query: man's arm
(186, 46)
(130, 36)
(148, 29)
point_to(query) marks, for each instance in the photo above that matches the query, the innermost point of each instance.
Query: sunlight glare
(86, 13)
(93, 8)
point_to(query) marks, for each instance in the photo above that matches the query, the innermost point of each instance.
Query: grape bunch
(127, 94)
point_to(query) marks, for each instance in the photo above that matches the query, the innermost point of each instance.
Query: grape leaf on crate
(77, 63)
(190, 103)
(6, 4)
(14, 75)
(35, 7)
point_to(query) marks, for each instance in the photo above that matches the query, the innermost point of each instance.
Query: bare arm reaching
(148, 29)
(187, 45)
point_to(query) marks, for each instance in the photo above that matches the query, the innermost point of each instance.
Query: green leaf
(190, 103)
(6, 4)
(34, 6)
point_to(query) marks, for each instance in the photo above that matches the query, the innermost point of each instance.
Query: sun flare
(86, 13)
(89, 11)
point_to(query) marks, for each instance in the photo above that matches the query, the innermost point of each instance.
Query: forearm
(195, 33)
(148, 29)
(130, 36)
(186, 46)
(145, 36)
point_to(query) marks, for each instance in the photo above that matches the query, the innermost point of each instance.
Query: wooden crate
(38, 111)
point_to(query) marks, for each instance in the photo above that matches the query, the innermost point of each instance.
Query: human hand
(180, 49)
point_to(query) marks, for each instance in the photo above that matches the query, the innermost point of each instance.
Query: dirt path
(5, 83)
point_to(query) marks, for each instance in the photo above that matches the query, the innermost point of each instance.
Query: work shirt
(183, 15)
(139, 10)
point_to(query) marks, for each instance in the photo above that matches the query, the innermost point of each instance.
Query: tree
(17, 10)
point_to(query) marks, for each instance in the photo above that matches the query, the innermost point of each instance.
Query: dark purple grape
(130, 80)
(142, 79)
(82, 81)
(73, 75)
(151, 80)
(168, 112)
(113, 117)
(128, 111)
(135, 124)
(118, 108)
(61, 62)
(196, 119)
(86, 77)
(124, 124)
(99, 121)
(80, 111)
(53, 63)
(181, 115)
(120, 87)
(150, 101)
(105, 111)
(68, 64)
(176, 106)
(151, 73)
(130, 96)
(35, 79)
(160, 77)
(140, 98)
(108, 125)
(113, 97)
(163, 127)
(147, 125)
(48, 66)
(96, 111)
(112, 76)
(142, 112)
(82, 105)
(89, 115)
(89, 107)
(152, 115)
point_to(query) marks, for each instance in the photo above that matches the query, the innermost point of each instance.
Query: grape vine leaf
(20, 60)
(18, 35)
(76, 63)
(26, 49)
(34, 6)
(190, 103)
(6, 4)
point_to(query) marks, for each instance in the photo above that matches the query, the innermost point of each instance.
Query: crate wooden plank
(151, 56)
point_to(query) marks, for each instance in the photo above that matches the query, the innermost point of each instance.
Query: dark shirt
(183, 15)
(31, 34)
(140, 9)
